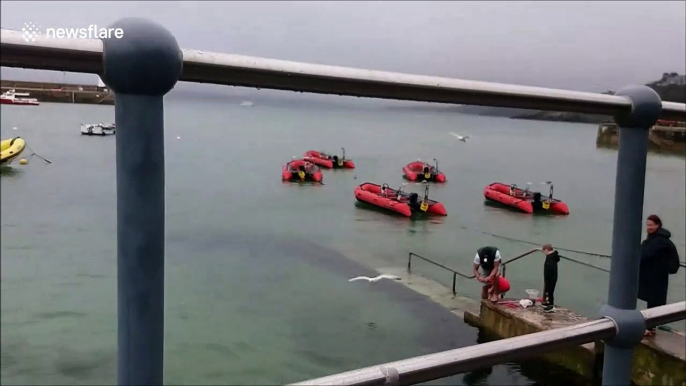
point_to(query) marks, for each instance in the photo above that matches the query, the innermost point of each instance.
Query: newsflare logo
(31, 31)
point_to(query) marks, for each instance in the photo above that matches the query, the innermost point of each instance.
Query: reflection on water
(537, 371)
(6, 170)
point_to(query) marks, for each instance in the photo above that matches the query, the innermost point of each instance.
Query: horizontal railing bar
(435, 366)
(439, 265)
(669, 313)
(85, 55)
(584, 264)
(447, 363)
(472, 276)
(520, 256)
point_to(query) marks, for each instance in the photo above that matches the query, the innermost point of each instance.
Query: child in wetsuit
(549, 277)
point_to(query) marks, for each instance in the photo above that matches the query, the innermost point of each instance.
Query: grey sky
(592, 46)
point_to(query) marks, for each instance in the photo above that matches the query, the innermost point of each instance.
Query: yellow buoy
(23, 161)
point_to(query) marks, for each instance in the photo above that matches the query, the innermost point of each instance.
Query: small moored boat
(524, 199)
(97, 129)
(398, 201)
(11, 97)
(328, 161)
(10, 149)
(421, 171)
(302, 171)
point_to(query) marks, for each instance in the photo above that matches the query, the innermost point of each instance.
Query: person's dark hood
(662, 232)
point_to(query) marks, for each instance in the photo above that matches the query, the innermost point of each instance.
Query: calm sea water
(257, 270)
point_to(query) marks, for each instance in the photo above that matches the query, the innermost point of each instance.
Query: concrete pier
(662, 138)
(62, 92)
(658, 360)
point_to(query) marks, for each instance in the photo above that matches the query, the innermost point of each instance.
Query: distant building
(672, 79)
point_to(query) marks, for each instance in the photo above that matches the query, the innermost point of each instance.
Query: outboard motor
(414, 198)
(337, 162)
(537, 204)
(414, 201)
(427, 173)
(537, 197)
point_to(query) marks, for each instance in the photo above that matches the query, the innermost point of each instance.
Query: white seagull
(460, 138)
(374, 279)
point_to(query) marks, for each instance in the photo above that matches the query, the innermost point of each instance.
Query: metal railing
(86, 55)
(455, 273)
(147, 62)
(502, 265)
(452, 362)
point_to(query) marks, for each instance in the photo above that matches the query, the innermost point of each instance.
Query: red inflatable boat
(398, 201)
(525, 200)
(301, 170)
(422, 171)
(328, 161)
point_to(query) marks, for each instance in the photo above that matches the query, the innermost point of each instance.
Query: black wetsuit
(550, 277)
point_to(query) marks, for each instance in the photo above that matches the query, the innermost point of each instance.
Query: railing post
(141, 67)
(502, 295)
(454, 282)
(626, 233)
(409, 262)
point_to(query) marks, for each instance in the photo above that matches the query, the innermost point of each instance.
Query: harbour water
(257, 269)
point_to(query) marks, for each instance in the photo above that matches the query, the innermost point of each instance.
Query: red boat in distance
(398, 201)
(328, 161)
(421, 171)
(524, 199)
(301, 171)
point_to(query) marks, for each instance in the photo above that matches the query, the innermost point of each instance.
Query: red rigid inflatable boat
(398, 201)
(525, 200)
(301, 170)
(328, 161)
(422, 171)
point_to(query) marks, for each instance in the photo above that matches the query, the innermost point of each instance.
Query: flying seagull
(460, 138)
(374, 279)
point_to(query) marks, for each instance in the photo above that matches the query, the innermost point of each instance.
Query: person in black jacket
(653, 276)
(549, 277)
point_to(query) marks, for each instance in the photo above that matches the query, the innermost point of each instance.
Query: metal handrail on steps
(503, 265)
(456, 273)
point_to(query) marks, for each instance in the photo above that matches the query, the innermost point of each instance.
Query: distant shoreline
(554, 116)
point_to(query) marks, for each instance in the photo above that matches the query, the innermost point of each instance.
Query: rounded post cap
(645, 110)
(146, 60)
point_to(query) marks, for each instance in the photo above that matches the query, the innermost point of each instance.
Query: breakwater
(61, 92)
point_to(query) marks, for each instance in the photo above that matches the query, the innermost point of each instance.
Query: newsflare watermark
(31, 31)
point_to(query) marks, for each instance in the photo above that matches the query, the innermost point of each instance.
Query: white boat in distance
(97, 129)
(11, 97)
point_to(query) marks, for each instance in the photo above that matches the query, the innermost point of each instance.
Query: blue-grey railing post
(140, 68)
(409, 262)
(626, 233)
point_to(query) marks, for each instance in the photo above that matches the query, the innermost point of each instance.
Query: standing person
(549, 277)
(659, 258)
(488, 258)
